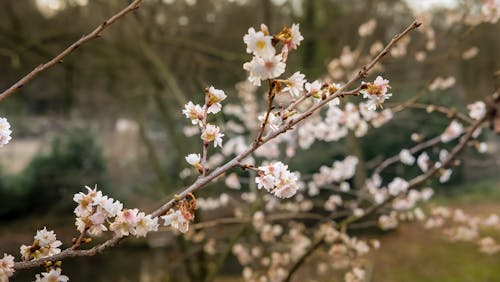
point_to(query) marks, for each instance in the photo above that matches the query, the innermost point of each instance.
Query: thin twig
(59, 58)
(413, 150)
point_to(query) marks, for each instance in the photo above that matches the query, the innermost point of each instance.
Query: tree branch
(59, 58)
(202, 181)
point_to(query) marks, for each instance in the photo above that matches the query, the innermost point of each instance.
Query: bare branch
(59, 58)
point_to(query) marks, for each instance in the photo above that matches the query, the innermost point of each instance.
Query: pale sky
(420, 5)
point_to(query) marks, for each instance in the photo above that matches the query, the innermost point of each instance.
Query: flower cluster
(277, 179)
(54, 275)
(6, 267)
(181, 215)
(209, 132)
(376, 92)
(266, 64)
(5, 132)
(45, 244)
(95, 210)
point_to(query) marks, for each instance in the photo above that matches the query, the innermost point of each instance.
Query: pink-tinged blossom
(295, 37)
(491, 10)
(194, 112)
(278, 180)
(477, 110)
(423, 162)
(398, 186)
(258, 43)
(215, 96)
(295, 84)
(125, 222)
(314, 89)
(376, 92)
(406, 157)
(262, 68)
(5, 132)
(54, 275)
(93, 210)
(212, 133)
(6, 267)
(454, 130)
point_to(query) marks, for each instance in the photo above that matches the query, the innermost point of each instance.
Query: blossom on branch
(376, 92)
(453, 130)
(45, 244)
(6, 267)
(406, 157)
(477, 110)
(212, 133)
(258, 43)
(194, 112)
(54, 275)
(5, 132)
(262, 68)
(277, 179)
(295, 84)
(215, 96)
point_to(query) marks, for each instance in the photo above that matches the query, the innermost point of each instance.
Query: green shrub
(51, 179)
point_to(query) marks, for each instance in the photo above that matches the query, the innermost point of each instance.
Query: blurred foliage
(75, 159)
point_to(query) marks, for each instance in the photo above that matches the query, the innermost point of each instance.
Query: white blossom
(215, 96)
(278, 180)
(423, 162)
(144, 224)
(54, 275)
(445, 175)
(314, 89)
(193, 159)
(477, 110)
(376, 92)
(367, 28)
(454, 130)
(406, 157)
(194, 112)
(258, 43)
(397, 186)
(177, 220)
(5, 132)
(262, 68)
(212, 133)
(295, 84)
(296, 36)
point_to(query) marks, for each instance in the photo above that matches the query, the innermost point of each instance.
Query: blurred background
(110, 114)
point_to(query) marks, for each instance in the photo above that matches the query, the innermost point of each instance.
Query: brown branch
(59, 58)
(204, 180)
(303, 259)
(270, 99)
(415, 149)
(418, 180)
